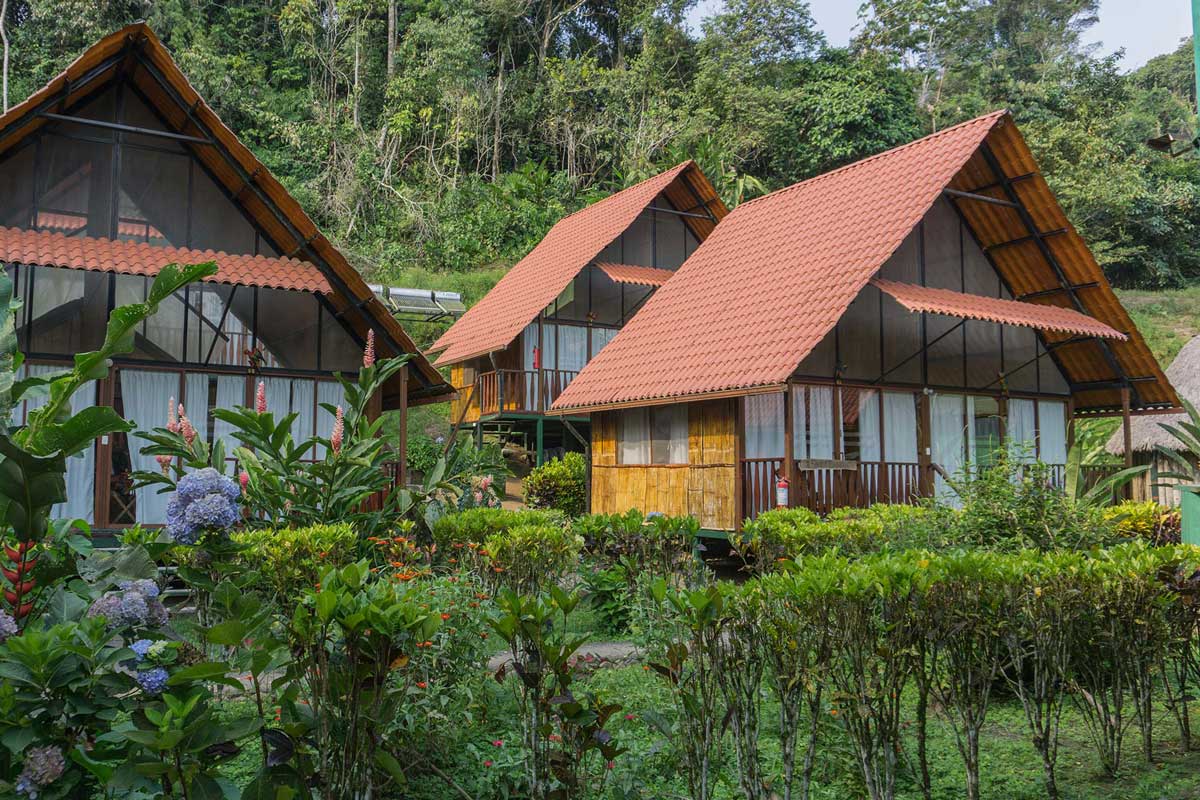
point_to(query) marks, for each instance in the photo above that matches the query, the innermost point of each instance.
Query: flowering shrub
(135, 604)
(205, 503)
(529, 557)
(43, 766)
(291, 560)
(559, 484)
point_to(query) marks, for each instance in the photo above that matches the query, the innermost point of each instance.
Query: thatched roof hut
(1147, 431)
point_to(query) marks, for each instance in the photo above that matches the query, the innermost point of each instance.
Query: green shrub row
(475, 525)
(559, 484)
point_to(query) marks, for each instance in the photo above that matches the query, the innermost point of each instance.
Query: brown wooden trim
(739, 452)
(666, 401)
(402, 456)
(789, 457)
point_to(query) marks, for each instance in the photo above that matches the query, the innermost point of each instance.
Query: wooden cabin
(869, 334)
(514, 352)
(1146, 435)
(117, 167)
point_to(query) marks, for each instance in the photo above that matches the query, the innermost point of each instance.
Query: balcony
(509, 391)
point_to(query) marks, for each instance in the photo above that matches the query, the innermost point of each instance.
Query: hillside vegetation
(437, 141)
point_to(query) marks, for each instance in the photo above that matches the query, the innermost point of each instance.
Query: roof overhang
(993, 309)
(135, 55)
(634, 274)
(46, 249)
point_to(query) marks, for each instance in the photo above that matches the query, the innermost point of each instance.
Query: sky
(1144, 28)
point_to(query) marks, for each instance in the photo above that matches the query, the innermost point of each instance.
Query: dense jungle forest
(437, 140)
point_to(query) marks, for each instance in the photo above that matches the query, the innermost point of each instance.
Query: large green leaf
(29, 485)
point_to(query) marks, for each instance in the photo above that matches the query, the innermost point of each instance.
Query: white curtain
(330, 392)
(231, 392)
(81, 468)
(900, 427)
(1022, 443)
(303, 403)
(669, 437)
(764, 426)
(601, 337)
(633, 437)
(529, 343)
(820, 422)
(948, 440)
(572, 347)
(195, 397)
(146, 395)
(868, 425)
(1052, 431)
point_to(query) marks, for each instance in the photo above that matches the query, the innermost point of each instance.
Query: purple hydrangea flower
(156, 614)
(140, 648)
(152, 681)
(108, 606)
(133, 609)
(43, 766)
(204, 501)
(8, 626)
(142, 585)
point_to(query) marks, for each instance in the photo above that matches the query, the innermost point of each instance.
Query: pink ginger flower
(164, 463)
(185, 427)
(485, 482)
(260, 398)
(172, 422)
(339, 432)
(244, 480)
(369, 353)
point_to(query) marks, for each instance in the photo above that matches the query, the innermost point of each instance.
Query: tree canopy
(437, 140)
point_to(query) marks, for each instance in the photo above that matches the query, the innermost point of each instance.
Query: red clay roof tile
(634, 274)
(538, 278)
(47, 249)
(774, 277)
(994, 309)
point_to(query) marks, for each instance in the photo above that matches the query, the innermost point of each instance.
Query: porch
(508, 391)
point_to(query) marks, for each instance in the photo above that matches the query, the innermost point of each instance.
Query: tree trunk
(497, 131)
(391, 39)
(4, 40)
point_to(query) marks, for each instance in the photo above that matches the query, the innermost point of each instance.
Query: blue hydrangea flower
(43, 766)
(140, 648)
(108, 606)
(142, 585)
(152, 681)
(204, 501)
(133, 609)
(8, 626)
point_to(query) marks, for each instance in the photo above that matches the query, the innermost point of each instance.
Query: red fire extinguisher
(537, 358)
(781, 492)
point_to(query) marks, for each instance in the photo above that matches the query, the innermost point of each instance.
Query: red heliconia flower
(172, 422)
(244, 480)
(164, 463)
(260, 398)
(339, 431)
(369, 352)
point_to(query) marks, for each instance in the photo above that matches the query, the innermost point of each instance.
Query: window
(656, 435)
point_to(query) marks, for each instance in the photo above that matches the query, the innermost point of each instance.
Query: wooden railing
(510, 390)
(823, 490)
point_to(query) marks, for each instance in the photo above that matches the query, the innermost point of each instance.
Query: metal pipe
(117, 126)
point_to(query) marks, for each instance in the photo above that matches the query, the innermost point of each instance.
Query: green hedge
(560, 484)
(475, 525)
(291, 560)
(533, 556)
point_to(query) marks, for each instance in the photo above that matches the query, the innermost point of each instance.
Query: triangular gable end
(570, 246)
(136, 57)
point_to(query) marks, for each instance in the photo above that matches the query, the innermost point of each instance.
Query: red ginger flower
(369, 352)
(244, 480)
(172, 422)
(339, 431)
(185, 427)
(260, 398)
(164, 463)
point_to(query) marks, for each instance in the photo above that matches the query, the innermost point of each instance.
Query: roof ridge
(994, 115)
(619, 192)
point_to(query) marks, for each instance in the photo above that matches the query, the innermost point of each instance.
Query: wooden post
(789, 461)
(925, 481)
(102, 499)
(1127, 433)
(402, 466)
(739, 453)
(541, 440)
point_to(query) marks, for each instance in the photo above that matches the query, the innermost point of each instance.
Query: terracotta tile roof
(538, 278)
(49, 249)
(632, 273)
(994, 309)
(72, 223)
(774, 277)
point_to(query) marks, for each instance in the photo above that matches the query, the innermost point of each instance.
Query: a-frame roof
(136, 55)
(774, 278)
(573, 243)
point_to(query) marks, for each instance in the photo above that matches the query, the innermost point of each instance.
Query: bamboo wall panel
(703, 488)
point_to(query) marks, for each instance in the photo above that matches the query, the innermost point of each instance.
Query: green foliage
(423, 453)
(559, 484)
(475, 525)
(290, 560)
(607, 593)
(531, 557)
